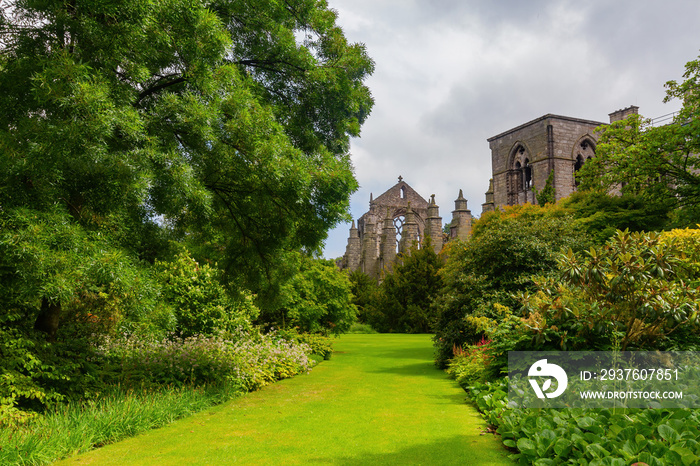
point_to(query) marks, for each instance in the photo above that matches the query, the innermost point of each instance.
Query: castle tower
(434, 225)
(461, 226)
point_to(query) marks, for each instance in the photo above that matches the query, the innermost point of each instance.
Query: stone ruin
(397, 220)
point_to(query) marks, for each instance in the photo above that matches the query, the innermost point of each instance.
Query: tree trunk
(48, 318)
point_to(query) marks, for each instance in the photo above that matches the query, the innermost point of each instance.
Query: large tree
(658, 162)
(224, 123)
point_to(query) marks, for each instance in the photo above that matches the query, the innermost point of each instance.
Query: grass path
(379, 400)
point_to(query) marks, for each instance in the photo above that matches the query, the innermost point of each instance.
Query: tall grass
(228, 366)
(79, 427)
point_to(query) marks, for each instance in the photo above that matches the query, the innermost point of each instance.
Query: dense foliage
(163, 167)
(316, 299)
(634, 292)
(601, 214)
(501, 257)
(655, 437)
(365, 291)
(200, 304)
(638, 291)
(402, 303)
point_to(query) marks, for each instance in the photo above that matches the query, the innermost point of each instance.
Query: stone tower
(523, 157)
(461, 225)
(434, 225)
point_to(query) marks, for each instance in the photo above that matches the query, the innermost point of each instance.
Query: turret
(370, 254)
(489, 205)
(461, 225)
(434, 225)
(353, 251)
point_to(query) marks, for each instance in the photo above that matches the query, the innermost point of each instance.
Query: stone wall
(396, 220)
(523, 157)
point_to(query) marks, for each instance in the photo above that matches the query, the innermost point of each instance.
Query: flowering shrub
(470, 365)
(320, 345)
(251, 360)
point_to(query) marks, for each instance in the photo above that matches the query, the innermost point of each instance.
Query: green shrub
(631, 291)
(507, 248)
(589, 436)
(361, 328)
(316, 299)
(471, 364)
(319, 345)
(250, 359)
(601, 214)
(200, 302)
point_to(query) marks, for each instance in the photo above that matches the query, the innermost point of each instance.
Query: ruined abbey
(522, 160)
(397, 220)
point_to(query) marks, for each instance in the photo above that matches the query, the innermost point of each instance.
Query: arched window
(403, 192)
(527, 175)
(584, 151)
(519, 175)
(398, 224)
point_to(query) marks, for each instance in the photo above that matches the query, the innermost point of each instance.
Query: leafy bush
(628, 292)
(470, 365)
(405, 297)
(37, 374)
(361, 329)
(590, 436)
(601, 214)
(506, 249)
(55, 274)
(320, 345)
(316, 299)
(250, 359)
(201, 304)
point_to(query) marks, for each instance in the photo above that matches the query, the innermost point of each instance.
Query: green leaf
(526, 446)
(597, 451)
(668, 433)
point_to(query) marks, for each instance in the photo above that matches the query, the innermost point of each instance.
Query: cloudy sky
(452, 73)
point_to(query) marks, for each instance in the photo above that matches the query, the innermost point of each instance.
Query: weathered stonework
(523, 157)
(397, 220)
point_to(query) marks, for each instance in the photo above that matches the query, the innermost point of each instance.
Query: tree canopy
(661, 162)
(221, 124)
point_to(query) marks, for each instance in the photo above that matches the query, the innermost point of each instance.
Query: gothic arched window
(527, 175)
(584, 151)
(519, 174)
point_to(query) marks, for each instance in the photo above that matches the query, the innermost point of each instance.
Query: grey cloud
(451, 73)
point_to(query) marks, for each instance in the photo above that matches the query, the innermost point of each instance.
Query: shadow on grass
(421, 368)
(458, 450)
(425, 354)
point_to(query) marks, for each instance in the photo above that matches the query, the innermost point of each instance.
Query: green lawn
(379, 400)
